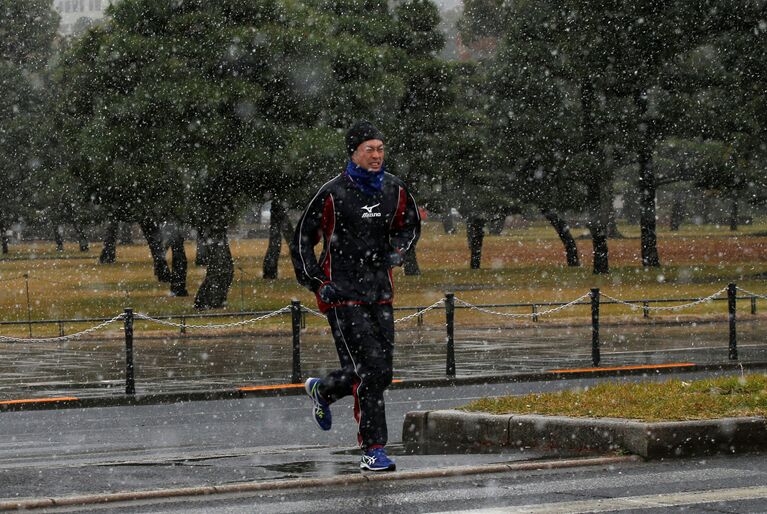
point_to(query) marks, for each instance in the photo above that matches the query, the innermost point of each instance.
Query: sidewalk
(117, 398)
(191, 364)
(417, 470)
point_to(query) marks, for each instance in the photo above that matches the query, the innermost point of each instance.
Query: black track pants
(364, 337)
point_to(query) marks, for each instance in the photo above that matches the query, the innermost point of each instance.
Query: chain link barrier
(518, 316)
(61, 339)
(287, 308)
(313, 312)
(214, 326)
(405, 318)
(634, 306)
(421, 312)
(749, 293)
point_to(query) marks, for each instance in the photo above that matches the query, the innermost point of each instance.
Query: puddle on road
(313, 468)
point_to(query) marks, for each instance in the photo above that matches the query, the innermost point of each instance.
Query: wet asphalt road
(99, 450)
(714, 485)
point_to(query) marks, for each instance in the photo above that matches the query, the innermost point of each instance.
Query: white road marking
(650, 501)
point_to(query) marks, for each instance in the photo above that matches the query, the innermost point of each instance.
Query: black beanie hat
(359, 133)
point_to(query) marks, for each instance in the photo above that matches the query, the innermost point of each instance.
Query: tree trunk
(495, 227)
(218, 278)
(595, 182)
(3, 239)
(612, 218)
(126, 234)
(448, 223)
(109, 250)
(274, 247)
(58, 237)
(563, 231)
(612, 228)
(677, 211)
(647, 187)
(598, 229)
(287, 230)
(410, 263)
(475, 233)
(82, 238)
(203, 248)
(734, 214)
(179, 264)
(153, 237)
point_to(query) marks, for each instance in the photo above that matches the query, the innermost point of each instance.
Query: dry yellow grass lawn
(673, 400)
(523, 265)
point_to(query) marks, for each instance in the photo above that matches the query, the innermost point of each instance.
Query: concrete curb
(343, 480)
(297, 390)
(451, 431)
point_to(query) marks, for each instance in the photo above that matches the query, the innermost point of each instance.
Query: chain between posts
(213, 325)
(749, 293)
(420, 312)
(449, 302)
(646, 307)
(304, 308)
(532, 315)
(62, 339)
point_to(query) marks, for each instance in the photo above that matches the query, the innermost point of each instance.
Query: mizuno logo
(369, 211)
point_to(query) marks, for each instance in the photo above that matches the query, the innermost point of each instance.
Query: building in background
(78, 15)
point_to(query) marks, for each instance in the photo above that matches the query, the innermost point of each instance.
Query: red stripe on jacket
(327, 225)
(399, 215)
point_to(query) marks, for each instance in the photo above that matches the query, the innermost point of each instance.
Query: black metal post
(450, 323)
(753, 305)
(732, 292)
(535, 312)
(645, 309)
(242, 294)
(595, 357)
(130, 381)
(29, 308)
(295, 310)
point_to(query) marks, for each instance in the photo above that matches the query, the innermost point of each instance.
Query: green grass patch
(674, 400)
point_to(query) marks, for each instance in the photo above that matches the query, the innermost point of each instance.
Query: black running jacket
(359, 231)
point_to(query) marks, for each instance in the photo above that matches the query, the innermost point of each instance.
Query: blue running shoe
(377, 460)
(320, 408)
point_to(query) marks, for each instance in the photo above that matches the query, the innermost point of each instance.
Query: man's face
(369, 155)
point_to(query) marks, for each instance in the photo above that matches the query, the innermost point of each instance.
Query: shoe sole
(393, 467)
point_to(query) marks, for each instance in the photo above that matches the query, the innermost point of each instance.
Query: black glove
(330, 294)
(394, 259)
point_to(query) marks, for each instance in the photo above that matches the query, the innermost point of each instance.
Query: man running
(367, 220)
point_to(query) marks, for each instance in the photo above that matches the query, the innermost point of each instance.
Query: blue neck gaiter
(370, 182)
